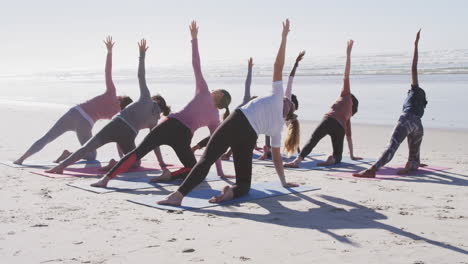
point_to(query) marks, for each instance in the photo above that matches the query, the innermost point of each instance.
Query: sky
(57, 35)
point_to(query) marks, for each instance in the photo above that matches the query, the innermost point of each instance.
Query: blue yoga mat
(308, 165)
(198, 199)
(132, 182)
(269, 161)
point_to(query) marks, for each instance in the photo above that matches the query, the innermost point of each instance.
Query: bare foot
(369, 173)
(228, 176)
(165, 176)
(226, 195)
(293, 164)
(102, 183)
(109, 166)
(263, 156)
(57, 170)
(18, 162)
(65, 154)
(225, 156)
(174, 198)
(330, 161)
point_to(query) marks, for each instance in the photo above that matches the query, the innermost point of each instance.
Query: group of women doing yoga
(238, 132)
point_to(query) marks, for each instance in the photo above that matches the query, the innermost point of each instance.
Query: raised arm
(279, 62)
(110, 87)
(200, 81)
(414, 66)
(346, 86)
(144, 92)
(248, 82)
(288, 92)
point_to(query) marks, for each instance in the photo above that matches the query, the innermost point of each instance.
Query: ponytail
(226, 113)
(165, 109)
(291, 143)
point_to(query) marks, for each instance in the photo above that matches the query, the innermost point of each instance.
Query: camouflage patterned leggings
(409, 126)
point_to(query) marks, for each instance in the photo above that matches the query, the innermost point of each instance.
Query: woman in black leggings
(336, 123)
(263, 115)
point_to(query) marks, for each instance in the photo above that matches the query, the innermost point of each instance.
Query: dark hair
(165, 109)
(124, 101)
(295, 101)
(355, 104)
(224, 102)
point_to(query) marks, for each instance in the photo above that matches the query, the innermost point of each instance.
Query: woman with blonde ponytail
(291, 143)
(263, 115)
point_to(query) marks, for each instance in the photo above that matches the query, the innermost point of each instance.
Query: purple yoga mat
(391, 172)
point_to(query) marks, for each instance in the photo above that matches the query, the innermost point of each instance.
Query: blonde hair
(291, 143)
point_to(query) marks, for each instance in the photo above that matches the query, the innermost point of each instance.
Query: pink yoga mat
(391, 172)
(95, 172)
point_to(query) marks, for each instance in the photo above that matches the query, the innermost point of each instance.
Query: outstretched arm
(200, 81)
(346, 86)
(144, 92)
(278, 161)
(349, 139)
(110, 88)
(279, 62)
(248, 82)
(414, 66)
(288, 92)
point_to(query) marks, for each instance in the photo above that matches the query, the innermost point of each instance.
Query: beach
(420, 219)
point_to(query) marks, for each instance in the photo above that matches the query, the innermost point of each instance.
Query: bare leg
(65, 154)
(109, 166)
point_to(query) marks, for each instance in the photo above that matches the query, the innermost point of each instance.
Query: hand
(355, 158)
(290, 184)
(300, 56)
(109, 43)
(142, 46)
(285, 28)
(193, 29)
(417, 37)
(350, 47)
(250, 63)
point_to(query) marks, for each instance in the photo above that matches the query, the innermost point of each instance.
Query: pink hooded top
(201, 110)
(342, 109)
(106, 105)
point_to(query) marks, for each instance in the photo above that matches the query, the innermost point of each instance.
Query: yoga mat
(198, 199)
(42, 163)
(131, 182)
(95, 172)
(308, 165)
(391, 172)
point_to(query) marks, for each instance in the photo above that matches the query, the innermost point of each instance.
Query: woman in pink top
(82, 117)
(336, 123)
(177, 130)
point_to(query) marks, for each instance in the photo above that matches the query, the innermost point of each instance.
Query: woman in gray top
(124, 127)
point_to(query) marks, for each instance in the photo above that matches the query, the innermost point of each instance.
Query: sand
(405, 220)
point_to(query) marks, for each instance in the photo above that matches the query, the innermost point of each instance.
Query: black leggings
(237, 133)
(328, 126)
(170, 132)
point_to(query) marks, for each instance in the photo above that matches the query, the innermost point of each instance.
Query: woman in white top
(263, 115)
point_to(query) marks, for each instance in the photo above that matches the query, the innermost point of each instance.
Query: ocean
(379, 81)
